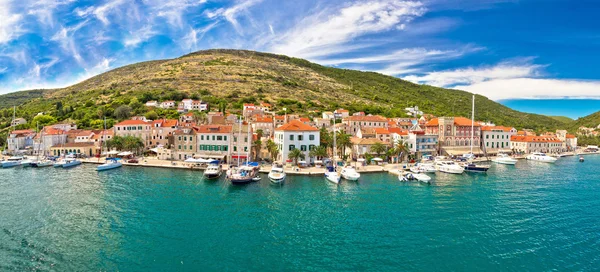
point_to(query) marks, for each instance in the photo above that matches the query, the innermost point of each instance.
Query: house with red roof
(136, 128)
(496, 139)
(530, 144)
(354, 123)
(161, 133)
(264, 123)
(454, 134)
(20, 140)
(296, 135)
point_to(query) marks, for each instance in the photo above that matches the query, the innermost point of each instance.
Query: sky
(506, 50)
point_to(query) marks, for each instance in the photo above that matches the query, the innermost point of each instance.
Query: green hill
(592, 120)
(562, 119)
(228, 78)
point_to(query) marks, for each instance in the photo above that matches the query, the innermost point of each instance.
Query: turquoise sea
(532, 217)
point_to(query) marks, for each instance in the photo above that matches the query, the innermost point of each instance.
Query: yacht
(581, 159)
(349, 173)
(12, 162)
(449, 167)
(277, 175)
(71, 161)
(423, 168)
(332, 175)
(505, 159)
(477, 168)
(243, 174)
(26, 162)
(41, 163)
(541, 157)
(213, 171)
(59, 163)
(111, 163)
(406, 176)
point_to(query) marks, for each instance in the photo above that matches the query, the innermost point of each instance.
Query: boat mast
(249, 144)
(472, 124)
(238, 140)
(334, 148)
(102, 140)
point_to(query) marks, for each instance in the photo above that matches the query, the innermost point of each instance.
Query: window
(291, 137)
(202, 137)
(311, 137)
(300, 137)
(245, 149)
(292, 147)
(245, 139)
(224, 148)
(184, 138)
(303, 147)
(224, 138)
(179, 147)
(235, 148)
(219, 138)
(213, 137)
(191, 147)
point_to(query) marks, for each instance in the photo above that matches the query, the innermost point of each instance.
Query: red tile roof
(264, 120)
(296, 125)
(132, 122)
(537, 139)
(570, 136)
(490, 128)
(382, 131)
(398, 131)
(372, 118)
(213, 129)
(458, 121)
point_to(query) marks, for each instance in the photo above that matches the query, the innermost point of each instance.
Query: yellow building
(84, 149)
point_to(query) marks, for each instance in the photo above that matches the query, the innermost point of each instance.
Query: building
(363, 146)
(48, 137)
(366, 133)
(454, 134)
(384, 135)
(420, 143)
(264, 123)
(214, 142)
(135, 128)
(102, 136)
(20, 140)
(530, 144)
(265, 106)
(161, 133)
(569, 140)
(152, 104)
(296, 134)
(327, 115)
(18, 121)
(184, 143)
(413, 111)
(496, 139)
(279, 120)
(341, 113)
(167, 104)
(322, 122)
(65, 126)
(354, 123)
(241, 143)
(84, 149)
(84, 136)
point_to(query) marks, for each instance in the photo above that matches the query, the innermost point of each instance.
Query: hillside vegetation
(228, 78)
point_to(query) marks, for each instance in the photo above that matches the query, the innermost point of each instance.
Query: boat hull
(40, 164)
(241, 181)
(278, 178)
(212, 175)
(476, 169)
(506, 162)
(10, 164)
(333, 177)
(111, 166)
(71, 164)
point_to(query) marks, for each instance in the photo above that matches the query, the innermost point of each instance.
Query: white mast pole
(238, 141)
(472, 124)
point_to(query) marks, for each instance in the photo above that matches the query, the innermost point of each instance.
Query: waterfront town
(259, 134)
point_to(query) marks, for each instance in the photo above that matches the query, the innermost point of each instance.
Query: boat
(41, 163)
(581, 159)
(26, 162)
(12, 162)
(405, 176)
(504, 159)
(111, 163)
(423, 168)
(243, 175)
(349, 173)
(476, 168)
(70, 161)
(59, 163)
(276, 175)
(256, 178)
(213, 171)
(417, 176)
(331, 174)
(541, 157)
(450, 167)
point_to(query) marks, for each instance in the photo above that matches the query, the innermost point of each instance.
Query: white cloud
(139, 36)
(231, 14)
(3, 70)
(173, 10)
(190, 41)
(44, 10)
(100, 12)
(65, 38)
(470, 75)
(498, 89)
(331, 29)
(9, 22)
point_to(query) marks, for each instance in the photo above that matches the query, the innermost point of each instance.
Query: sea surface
(532, 217)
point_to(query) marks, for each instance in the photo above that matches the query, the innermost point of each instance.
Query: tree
(401, 149)
(295, 155)
(151, 115)
(378, 148)
(343, 142)
(273, 149)
(123, 112)
(200, 117)
(44, 120)
(318, 152)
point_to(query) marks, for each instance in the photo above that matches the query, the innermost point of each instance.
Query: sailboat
(110, 163)
(44, 162)
(471, 166)
(247, 172)
(332, 174)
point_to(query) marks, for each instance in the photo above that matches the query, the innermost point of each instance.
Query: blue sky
(501, 49)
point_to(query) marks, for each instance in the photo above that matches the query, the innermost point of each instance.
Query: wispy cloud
(232, 13)
(9, 22)
(65, 38)
(506, 88)
(3, 70)
(330, 28)
(139, 36)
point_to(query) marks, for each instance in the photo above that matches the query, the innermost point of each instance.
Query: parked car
(133, 161)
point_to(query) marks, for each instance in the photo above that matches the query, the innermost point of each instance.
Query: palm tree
(273, 149)
(318, 152)
(343, 142)
(199, 116)
(401, 149)
(258, 143)
(378, 148)
(326, 138)
(296, 154)
(116, 142)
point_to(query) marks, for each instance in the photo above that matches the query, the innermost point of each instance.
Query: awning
(239, 156)
(125, 154)
(318, 162)
(112, 152)
(155, 150)
(461, 151)
(377, 159)
(360, 160)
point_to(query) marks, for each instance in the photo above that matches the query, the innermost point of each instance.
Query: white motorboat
(333, 176)
(476, 168)
(243, 174)
(505, 159)
(111, 163)
(276, 175)
(59, 163)
(12, 162)
(71, 162)
(405, 176)
(41, 163)
(213, 171)
(26, 162)
(449, 167)
(541, 157)
(349, 173)
(423, 168)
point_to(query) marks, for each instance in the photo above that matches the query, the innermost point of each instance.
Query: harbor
(522, 217)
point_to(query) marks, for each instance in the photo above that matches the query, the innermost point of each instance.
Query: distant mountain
(592, 120)
(562, 119)
(233, 77)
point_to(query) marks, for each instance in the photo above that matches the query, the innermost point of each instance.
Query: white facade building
(496, 138)
(296, 134)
